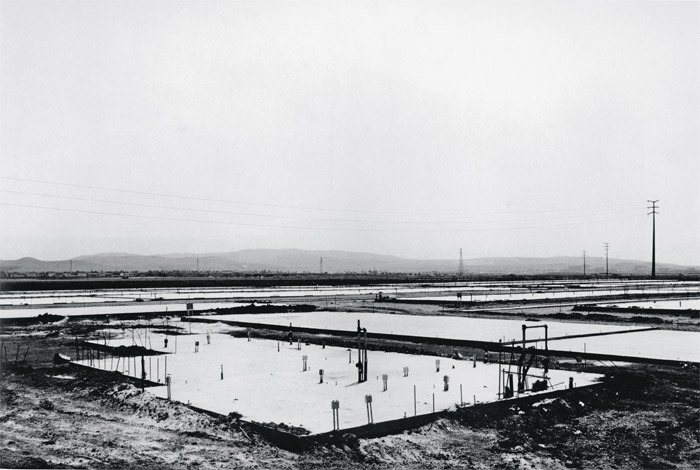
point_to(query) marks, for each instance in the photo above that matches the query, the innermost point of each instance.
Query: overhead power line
(298, 207)
(291, 227)
(317, 219)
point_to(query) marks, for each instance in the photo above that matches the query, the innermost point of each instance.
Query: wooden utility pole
(653, 235)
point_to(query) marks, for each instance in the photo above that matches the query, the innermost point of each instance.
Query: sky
(408, 128)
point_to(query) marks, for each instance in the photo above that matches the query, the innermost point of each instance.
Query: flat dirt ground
(63, 417)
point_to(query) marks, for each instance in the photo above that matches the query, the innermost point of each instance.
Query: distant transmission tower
(461, 263)
(584, 262)
(607, 247)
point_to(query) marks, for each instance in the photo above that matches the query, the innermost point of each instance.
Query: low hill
(293, 260)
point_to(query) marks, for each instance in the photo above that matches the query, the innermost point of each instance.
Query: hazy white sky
(410, 128)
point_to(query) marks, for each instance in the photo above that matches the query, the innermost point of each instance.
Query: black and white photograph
(350, 234)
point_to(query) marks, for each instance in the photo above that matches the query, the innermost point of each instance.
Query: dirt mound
(151, 409)
(288, 428)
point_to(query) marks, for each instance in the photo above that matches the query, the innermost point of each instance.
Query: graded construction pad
(267, 385)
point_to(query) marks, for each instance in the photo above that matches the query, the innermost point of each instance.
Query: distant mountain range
(292, 260)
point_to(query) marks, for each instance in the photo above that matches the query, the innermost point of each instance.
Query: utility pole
(653, 235)
(584, 263)
(321, 267)
(461, 263)
(607, 246)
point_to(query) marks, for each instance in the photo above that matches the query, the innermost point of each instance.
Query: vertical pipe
(365, 354)
(359, 352)
(521, 379)
(500, 373)
(415, 410)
